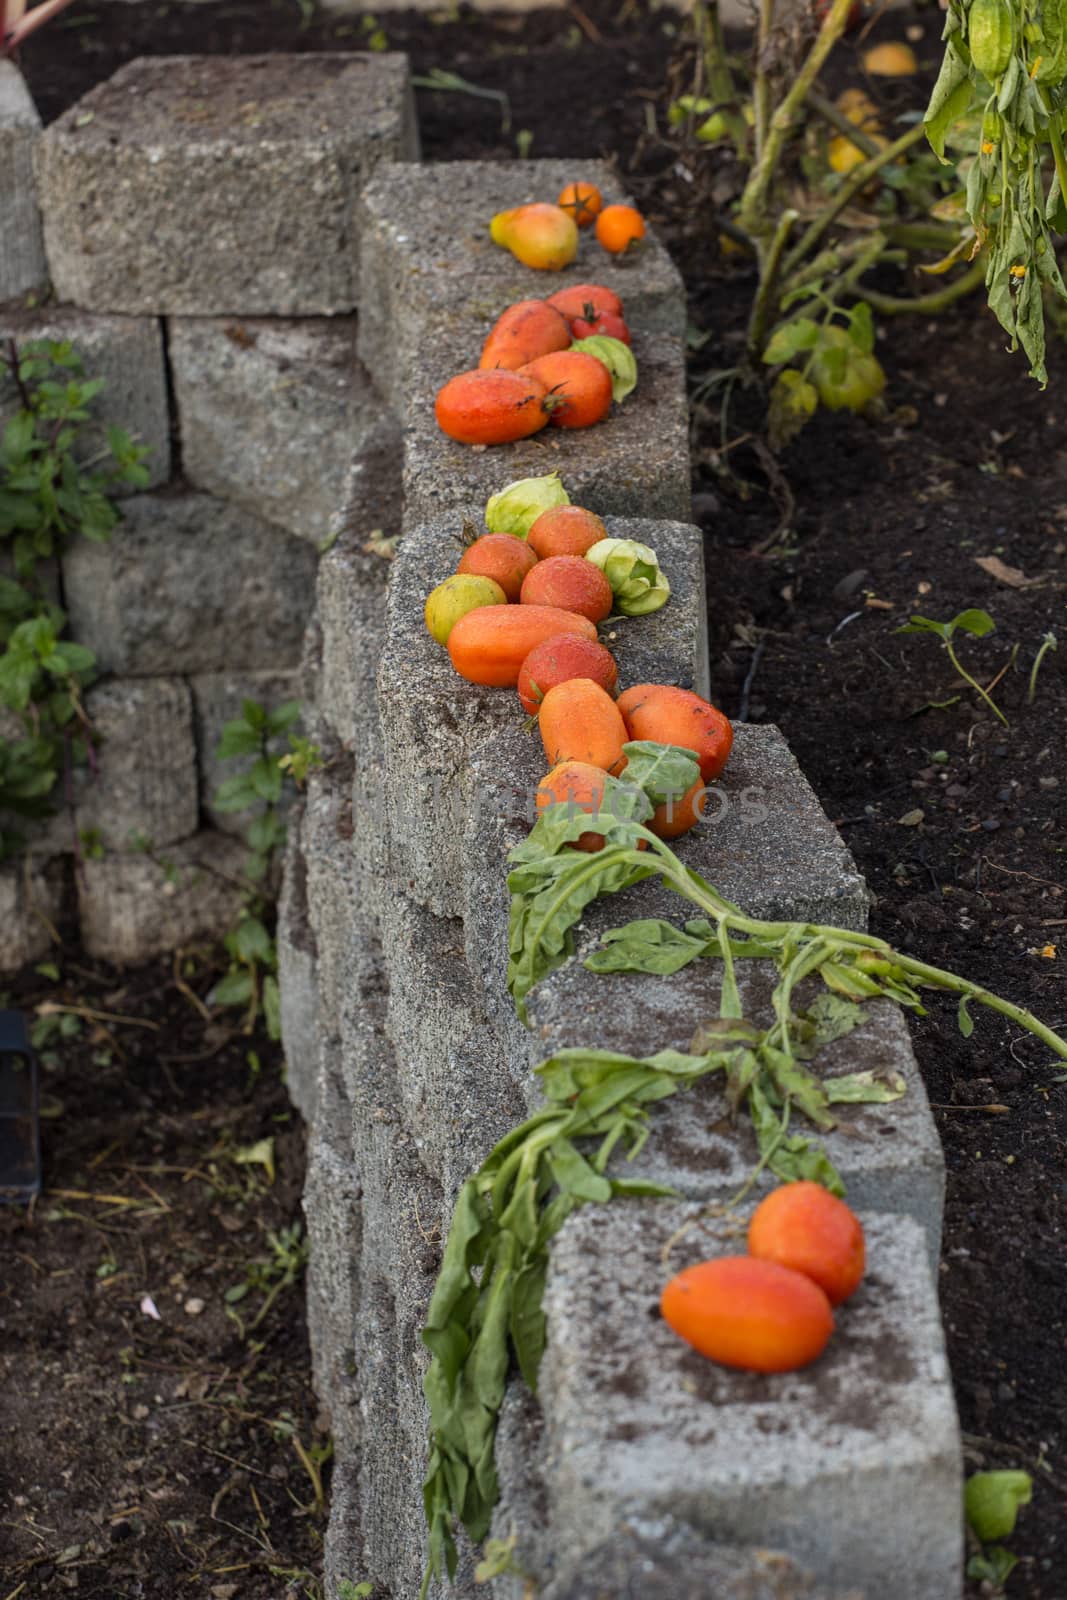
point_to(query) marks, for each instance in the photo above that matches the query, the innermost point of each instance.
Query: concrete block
(134, 907)
(663, 1559)
(635, 464)
(271, 413)
(298, 981)
(221, 186)
(456, 1093)
(33, 890)
(189, 584)
(335, 879)
(146, 782)
(343, 1541)
(639, 1425)
(446, 263)
(127, 353)
(332, 1208)
(889, 1156)
(22, 263)
(217, 699)
(434, 723)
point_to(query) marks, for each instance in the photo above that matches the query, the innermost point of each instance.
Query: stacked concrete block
(22, 263)
(33, 895)
(221, 186)
(127, 354)
(136, 906)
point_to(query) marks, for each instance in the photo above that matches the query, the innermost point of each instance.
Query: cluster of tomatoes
(546, 237)
(533, 369)
(772, 1310)
(522, 612)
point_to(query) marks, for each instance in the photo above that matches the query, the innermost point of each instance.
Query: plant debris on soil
(958, 498)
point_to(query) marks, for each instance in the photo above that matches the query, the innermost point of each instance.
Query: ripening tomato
(619, 228)
(529, 329)
(577, 387)
(557, 660)
(750, 1314)
(585, 300)
(891, 59)
(803, 1226)
(503, 558)
(489, 646)
(604, 322)
(579, 721)
(459, 594)
(575, 783)
(565, 531)
(491, 407)
(570, 582)
(675, 816)
(847, 382)
(582, 200)
(541, 236)
(670, 715)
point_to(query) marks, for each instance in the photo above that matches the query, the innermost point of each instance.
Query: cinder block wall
(258, 266)
(199, 221)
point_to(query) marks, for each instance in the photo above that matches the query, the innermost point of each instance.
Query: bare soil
(958, 822)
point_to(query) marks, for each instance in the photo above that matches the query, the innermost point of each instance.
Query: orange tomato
(565, 531)
(501, 557)
(579, 722)
(618, 229)
(805, 1227)
(750, 1314)
(584, 300)
(577, 385)
(490, 407)
(676, 816)
(575, 783)
(559, 659)
(570, 582)
(670, 715)
(529, 329)
(582, 201)
(541, 236)
(493, 650)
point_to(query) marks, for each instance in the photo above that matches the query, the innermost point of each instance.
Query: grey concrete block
(343, 1541)
(134, 907)
(217, 699)
(22, 263)
(221, 186)
(411, 272)
(634, 464)
(435, 724)
(639, 1425)
(333, 1212)
(127, 353)
(189, 584)
(33, 890)
(298, 981)
(889, 1156)
(271, 413)
(146, 780)
(663, 1559)
(335, 879)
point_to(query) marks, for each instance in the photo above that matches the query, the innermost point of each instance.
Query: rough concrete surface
(852, 1465)
(190, 584)
(146, 782)
(22, 263)
(271, 413)
(134, 907)
(221, 186)
(446, 262)
(127, 353)
(32, 894)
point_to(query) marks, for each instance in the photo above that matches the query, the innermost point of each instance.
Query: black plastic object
(20, 1138)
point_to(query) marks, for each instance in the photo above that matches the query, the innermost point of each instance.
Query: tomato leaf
(991, 1501)
(649, 945)
(790, 339)
(864, 1088)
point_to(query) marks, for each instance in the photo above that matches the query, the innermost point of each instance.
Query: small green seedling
(975, 622)
(991, 1502)
(1048, 642)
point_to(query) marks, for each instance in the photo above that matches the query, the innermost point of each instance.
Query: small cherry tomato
(583, 201)
(618, 229)
(605, 322)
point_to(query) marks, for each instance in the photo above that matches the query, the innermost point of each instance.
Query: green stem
(927, 304)
(935, 978)
(761, 87)
(859, 179)
(718, 77)
(1057, 146)
(1048, 642)
(767, 1156)
(753, 210)
(962, 670)
(766, 294)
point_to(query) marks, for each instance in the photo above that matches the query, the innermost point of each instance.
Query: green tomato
(847, 388)
(455, 597)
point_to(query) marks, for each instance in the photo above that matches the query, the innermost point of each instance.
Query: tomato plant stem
(766, 294)
(761, 88)
(718, 77)
(848, 191)
(927, 304)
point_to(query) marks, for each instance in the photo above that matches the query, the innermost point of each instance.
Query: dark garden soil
(135, 1427)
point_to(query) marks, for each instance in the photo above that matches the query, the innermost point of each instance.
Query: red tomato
(491, 407)
(604, 322)
(559, 659)
(804, 1226)
(578, 387)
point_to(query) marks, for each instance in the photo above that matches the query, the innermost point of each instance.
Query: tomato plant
(583, 201)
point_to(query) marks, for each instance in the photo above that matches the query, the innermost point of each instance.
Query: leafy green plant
(269, 1276)
(991, 1503)
(978, 624)
(47, 498)
(486, 1305)
(259, 786)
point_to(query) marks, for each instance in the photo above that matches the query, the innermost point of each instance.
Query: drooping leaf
(647, 945)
